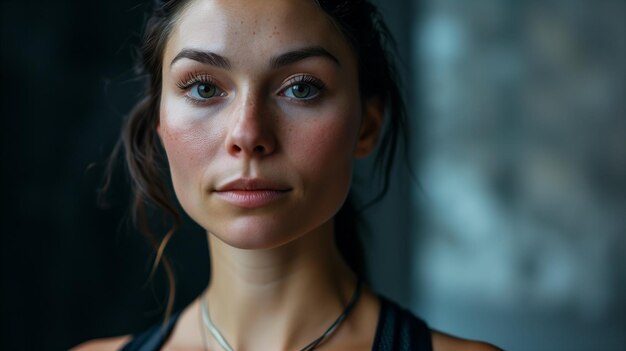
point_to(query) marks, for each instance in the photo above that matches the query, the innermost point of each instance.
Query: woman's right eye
(204, 91)
(200, 88)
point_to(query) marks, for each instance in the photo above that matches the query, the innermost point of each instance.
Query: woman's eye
(303, 87)
(204, 91)
(301, 91)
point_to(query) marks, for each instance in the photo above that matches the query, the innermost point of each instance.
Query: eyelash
(305, 78)
(193, 78)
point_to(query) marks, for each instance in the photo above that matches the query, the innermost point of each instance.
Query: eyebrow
(292, 57)
(288, 58)
(206, 57)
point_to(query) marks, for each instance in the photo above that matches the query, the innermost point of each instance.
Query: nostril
(259, 149)
(236, 148)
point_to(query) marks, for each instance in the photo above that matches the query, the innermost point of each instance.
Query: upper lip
(252, 184)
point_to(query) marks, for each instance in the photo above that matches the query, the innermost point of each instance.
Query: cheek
(323, 149)
(328, 142)
(332, 136)
(189, 144)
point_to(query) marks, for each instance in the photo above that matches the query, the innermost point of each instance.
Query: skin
(275, 262)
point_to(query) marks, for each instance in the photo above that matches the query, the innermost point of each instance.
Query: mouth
(251, 192)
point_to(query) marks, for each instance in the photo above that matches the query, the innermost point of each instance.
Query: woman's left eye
(303, 88)
(301, 91)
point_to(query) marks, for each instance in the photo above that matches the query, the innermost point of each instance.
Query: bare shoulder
(104, 344)
(445, 342)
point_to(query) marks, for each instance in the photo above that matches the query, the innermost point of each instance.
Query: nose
(252, 133)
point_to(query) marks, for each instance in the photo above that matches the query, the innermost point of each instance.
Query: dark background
(72, 270)
(514, 233)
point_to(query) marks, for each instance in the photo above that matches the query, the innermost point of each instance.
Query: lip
(251, 192)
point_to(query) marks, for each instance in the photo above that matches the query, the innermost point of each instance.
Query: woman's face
(261, 117)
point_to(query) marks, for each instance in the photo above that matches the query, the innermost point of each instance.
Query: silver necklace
(226, 346)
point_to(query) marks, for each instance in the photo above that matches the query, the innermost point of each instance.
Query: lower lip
(251, 198)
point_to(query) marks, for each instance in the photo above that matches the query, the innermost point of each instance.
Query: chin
(250, 233)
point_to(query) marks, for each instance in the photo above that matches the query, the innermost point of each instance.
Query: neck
(279, 298)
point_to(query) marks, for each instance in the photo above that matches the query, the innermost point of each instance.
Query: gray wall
(524, 165)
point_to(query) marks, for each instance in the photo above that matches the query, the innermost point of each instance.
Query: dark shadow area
(72, 270)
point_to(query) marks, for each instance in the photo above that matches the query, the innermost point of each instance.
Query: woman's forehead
(244, 30)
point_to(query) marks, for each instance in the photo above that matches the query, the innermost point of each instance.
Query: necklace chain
(226, 346)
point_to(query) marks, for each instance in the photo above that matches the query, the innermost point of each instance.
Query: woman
(260, 107)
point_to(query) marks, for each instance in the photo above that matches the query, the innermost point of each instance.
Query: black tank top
(397, 330)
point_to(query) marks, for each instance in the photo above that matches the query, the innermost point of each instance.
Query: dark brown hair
(363, 28)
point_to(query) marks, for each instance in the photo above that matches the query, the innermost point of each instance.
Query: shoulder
(445, 342)
(105, 344)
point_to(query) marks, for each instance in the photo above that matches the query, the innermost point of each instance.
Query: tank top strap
(400, 330)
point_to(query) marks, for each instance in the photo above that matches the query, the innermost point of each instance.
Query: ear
(371, 125)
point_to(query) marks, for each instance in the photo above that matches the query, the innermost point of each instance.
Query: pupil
(300, 90)
(206, 91)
